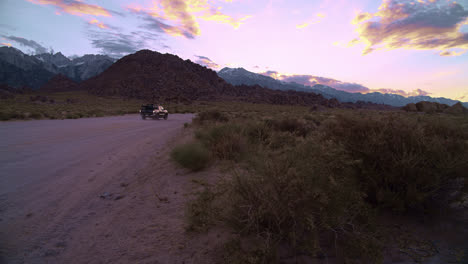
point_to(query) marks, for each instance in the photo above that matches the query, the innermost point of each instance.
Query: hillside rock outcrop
(60, 83)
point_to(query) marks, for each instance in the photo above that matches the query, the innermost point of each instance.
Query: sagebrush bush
(292, 196)
(316, 181)
(226, 141)
(403, 164)
(210, 115)
(291, 125)
(296, 195)
(193, 156)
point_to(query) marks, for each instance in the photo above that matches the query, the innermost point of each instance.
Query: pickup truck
(153, 111)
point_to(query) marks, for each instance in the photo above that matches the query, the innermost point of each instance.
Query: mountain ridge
(18, 69)
(166, 77)
(238, 76)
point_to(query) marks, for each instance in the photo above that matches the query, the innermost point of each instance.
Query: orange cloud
(6, 44)
(74, 7)
(302, 26)
(421, 25)
(181, 17)
(318, 19)
(97, 23)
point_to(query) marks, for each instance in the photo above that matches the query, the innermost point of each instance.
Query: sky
(407, 47)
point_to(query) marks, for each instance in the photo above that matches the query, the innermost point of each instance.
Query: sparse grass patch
(193, 156)
(202, 213)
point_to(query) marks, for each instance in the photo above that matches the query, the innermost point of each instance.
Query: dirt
(96, 190)
(104, 190)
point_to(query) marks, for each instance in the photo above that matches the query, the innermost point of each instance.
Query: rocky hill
(60, 83)
(238, 76)
(434, 107)
(165, 77)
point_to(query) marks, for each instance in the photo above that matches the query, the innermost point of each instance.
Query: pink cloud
(74, 7)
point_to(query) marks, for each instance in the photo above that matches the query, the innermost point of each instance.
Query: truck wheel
(143, 117)
(165, 117)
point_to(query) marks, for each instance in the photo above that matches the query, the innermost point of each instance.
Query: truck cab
(154, 111)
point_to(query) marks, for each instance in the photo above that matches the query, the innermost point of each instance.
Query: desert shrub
(193, 156)
(234, 252)
(211, 115)
(36, 115)
(403, 164)
(291, 125)
(225, 141)
(282, 141)
(297, 195)
(259, 132)
(72, 116)
(5, 116)
(202, 212)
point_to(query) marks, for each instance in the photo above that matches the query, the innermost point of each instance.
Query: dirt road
(89, 191)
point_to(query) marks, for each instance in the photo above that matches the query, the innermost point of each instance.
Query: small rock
(119, 197)
(106, 195)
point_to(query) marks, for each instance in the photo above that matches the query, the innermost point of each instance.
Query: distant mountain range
(158, 77)
(239, 76)
(19, 70)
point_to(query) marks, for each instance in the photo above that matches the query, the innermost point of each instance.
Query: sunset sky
(416, 47)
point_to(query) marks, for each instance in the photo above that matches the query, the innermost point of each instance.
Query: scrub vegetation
(72, 105)
(316, 182)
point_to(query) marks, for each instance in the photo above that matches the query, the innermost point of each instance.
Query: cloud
(205, 61)
(463, 97)
(155, 24)
(317, 19)
(420, 25)
(98, 23)
(116, 44)
(416, 92)
(75, 7)
(447, 53)
(38, 48)
(180, 18)
(311, 80)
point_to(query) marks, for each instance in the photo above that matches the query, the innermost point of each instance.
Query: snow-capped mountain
(36, 70)
(239, 76)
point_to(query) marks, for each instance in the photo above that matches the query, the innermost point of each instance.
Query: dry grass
(300, 177)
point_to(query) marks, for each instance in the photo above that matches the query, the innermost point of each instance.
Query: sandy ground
(96, 190)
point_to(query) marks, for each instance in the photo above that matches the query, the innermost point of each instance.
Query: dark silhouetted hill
(60, 83)
(166, 77)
